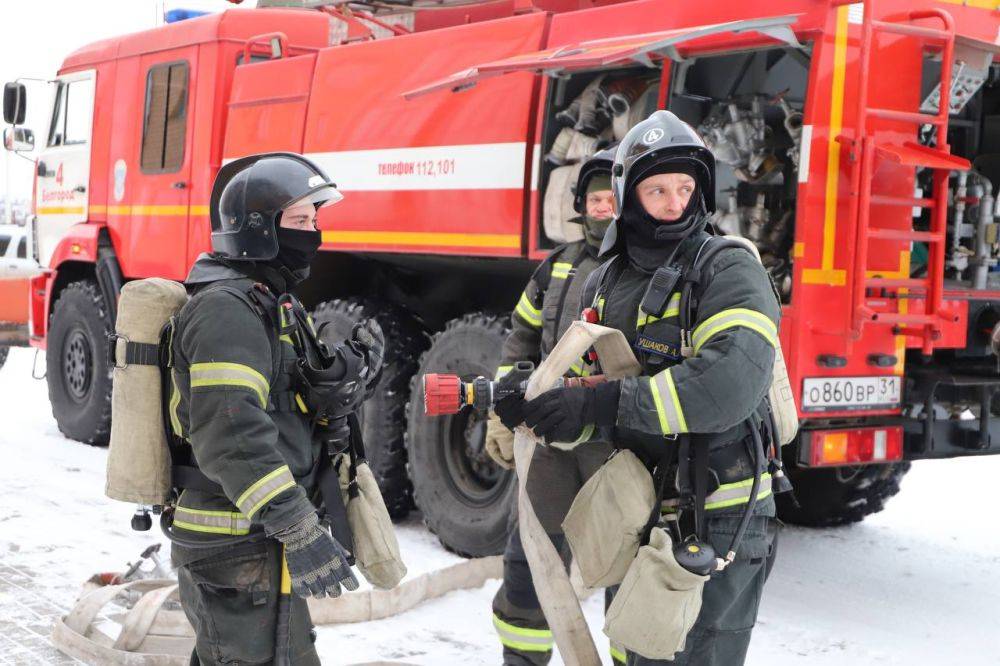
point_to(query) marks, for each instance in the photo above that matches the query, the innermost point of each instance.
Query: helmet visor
(323, 195)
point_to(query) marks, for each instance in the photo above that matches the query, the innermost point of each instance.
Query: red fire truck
(858, 146)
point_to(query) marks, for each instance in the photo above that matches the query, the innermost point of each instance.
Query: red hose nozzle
(442, 394)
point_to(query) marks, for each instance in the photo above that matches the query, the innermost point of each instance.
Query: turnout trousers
(554, 479)
(231, 600)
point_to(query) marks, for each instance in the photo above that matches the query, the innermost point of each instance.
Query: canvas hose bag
(605, 525)
(138, 469)
(552, 584)
(376, 550)
(657, 602)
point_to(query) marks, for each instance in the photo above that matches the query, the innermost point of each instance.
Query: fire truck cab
(858, 147)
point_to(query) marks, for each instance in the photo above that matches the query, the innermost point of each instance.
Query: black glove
(368, 334)
(316, 562)
(510, 408)
(560, 415)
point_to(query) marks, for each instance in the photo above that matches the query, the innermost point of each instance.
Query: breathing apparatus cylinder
(138, 469)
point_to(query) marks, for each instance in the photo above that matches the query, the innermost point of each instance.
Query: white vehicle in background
(17, 265)
(16, 262)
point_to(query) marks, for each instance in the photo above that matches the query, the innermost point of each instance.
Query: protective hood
(594, 230)
(662, 143)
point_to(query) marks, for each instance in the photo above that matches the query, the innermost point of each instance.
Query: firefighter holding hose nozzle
(549, 304)
(702, 317)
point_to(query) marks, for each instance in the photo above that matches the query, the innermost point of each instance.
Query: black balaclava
(297, 249)
(650, 242)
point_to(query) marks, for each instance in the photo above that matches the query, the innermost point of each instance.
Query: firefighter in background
(664, 185)
(549, 304)
(246, 502)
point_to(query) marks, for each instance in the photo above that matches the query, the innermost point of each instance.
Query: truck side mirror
(15, 100)
(18, 139)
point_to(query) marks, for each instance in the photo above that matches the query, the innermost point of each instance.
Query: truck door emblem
(120, 169)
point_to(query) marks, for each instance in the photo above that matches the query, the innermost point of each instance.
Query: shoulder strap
(596, 284)
(543, 274)
(253, 300)
(581, 255)
(709, 249)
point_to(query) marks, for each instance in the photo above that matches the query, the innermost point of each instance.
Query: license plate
(826, 394)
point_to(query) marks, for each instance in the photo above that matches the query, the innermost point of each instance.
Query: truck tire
(383, 419)
(829, 497)
(466, 499)
(77, 369)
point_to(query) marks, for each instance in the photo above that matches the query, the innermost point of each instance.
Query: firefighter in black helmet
(549, 304)
(700, 391)
(248, 446)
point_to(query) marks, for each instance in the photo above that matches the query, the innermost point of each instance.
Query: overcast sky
(38, 34)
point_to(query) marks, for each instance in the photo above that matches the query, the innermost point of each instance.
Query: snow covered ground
(917, 584)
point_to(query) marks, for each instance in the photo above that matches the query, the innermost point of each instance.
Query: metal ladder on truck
(865, 148)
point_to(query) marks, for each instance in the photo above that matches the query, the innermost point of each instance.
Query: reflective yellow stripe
(212, 522)
(529, 312)
(501, 371)
(230, 374)
(736, 501)
(732, 318)
(618, 655)
(301, 404)
(285, 587)
(600, 308)
(673, 309)
(264, 489)
(588, 432)
(729, 494)
(667, 403)
(60, 210)
(286, 338)
(827, 274)
(425, 238)
(560, 271)
(175, 401)
(161, 210)
(519, 638)
(211, 530)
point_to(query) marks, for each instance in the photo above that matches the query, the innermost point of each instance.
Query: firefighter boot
(517, 614)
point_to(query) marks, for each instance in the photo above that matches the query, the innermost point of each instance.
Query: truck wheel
(465, 497)
(79, 377)
(383, 419)
(839, 495)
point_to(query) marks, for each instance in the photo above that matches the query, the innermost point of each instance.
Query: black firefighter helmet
(599, 164)
(249, 195)
(653, 146)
